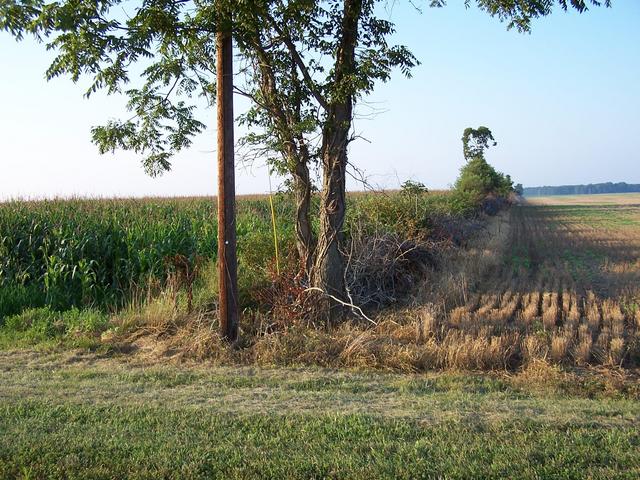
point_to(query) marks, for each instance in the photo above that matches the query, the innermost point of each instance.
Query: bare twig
(346, 304)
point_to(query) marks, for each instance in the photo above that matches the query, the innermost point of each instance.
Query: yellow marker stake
(275, 232)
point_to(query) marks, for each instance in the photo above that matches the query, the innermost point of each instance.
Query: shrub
(39, 322)
(87, 321)
(477, 181)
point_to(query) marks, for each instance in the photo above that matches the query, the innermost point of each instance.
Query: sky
(563, 103)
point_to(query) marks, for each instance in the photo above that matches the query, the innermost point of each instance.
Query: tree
(334, 53)
(518, 189)
(413, 188)
(356, 41)
(353, 75)
(174, 49)
(477, 178)
(475, 141)
(283, 115)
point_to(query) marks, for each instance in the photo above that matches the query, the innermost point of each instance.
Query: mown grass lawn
(66, 416)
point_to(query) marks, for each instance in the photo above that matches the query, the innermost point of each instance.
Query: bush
(477, 181)
(87, 321)
(385, 213)
(108, 254)
(464, 203)
(398, 213)
(38, 322)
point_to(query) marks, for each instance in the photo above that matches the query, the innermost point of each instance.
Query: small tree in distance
(477, 178)
(519, 189)
(413, 187)
(475, 141)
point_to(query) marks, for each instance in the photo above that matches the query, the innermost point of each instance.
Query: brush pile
(383, 269)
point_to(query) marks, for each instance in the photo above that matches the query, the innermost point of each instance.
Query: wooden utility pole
(227, 259)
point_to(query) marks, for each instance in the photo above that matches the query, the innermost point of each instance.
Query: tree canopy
(170, 46)
(159, 53)
(475, 141)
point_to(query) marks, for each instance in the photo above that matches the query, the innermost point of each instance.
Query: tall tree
(283, 117)
(339, 50)
(362, 37)
(355, 39)
(475, 141)
(312, 60)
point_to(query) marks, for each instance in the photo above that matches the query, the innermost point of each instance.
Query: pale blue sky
(563, 103)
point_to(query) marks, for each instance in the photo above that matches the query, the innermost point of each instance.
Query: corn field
(95, 252)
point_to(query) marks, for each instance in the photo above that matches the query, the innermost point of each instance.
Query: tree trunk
(295, 150)
(304, 233)
(328, 271)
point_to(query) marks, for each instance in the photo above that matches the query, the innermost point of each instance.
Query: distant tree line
(608, 187)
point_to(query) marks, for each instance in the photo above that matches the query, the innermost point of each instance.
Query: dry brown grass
(549, 310)
(572, 314)
(530, 311)
(582, 350)
(616, 351)
(560, 345)
(460, 316)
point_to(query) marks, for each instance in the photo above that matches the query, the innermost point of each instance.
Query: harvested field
(600, 199)
(566, 288)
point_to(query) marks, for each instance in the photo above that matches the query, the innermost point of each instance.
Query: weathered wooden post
(227, 258)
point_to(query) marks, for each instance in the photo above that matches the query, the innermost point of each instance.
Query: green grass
(46, 328)
(170, 444)
(79, 416)
(609, 216)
